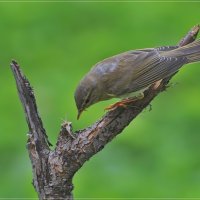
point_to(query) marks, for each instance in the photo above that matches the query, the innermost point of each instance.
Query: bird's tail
(190, 51)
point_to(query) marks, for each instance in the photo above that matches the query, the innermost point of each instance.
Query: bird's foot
(123, 103)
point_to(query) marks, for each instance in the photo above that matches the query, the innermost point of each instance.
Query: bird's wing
(151, 67)
(135, 70)
(159, 69)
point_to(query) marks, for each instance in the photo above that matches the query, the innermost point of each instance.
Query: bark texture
(53, 170)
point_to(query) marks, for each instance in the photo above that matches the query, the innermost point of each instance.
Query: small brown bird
(128, 75)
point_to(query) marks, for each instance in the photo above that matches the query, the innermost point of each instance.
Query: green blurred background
(157, 155)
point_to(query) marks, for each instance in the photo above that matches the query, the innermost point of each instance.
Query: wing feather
(157, 69)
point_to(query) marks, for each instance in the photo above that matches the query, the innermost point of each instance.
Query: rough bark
(53, 170)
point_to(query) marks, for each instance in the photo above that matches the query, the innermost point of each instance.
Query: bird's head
(85, 95)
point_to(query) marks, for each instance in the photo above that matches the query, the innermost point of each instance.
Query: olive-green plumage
(132, 71)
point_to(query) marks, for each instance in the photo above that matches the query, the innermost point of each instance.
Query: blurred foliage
(157, 155)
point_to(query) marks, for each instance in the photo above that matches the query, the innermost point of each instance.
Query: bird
(127, 75)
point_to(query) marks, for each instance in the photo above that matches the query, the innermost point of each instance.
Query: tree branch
(53, 170)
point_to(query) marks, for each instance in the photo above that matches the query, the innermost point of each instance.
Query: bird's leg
(124, 102)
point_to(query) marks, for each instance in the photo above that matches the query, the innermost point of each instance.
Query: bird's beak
(79, 114)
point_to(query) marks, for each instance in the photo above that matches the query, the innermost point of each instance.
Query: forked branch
(53, 170)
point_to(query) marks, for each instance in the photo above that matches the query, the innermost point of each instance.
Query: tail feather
(190, 51)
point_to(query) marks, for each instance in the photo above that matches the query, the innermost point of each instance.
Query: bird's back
(134, 70)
